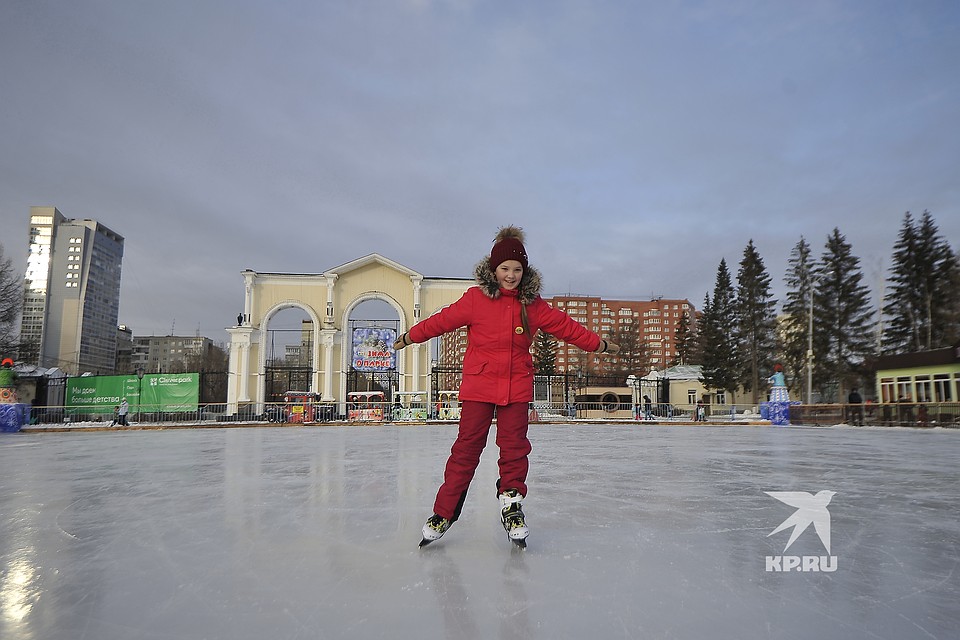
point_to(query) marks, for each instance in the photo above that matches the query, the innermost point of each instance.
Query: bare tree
(11, 300)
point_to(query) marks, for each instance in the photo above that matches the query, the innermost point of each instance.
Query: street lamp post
(810, 351)
(139, 391)
(634, 383)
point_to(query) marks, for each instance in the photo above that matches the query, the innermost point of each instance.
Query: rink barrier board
(213, 416)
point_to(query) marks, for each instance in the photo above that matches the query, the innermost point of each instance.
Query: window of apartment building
(691, 396)
(720, 397)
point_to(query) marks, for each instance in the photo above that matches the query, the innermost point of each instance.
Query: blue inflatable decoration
(13, 416)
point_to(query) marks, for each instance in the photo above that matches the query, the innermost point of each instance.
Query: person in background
(122, 412)
(647, 408)
(855, 410)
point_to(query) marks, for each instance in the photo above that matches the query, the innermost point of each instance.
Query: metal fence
(945, 414)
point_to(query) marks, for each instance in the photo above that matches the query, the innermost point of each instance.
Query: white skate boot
(511, 515)
(434, 529)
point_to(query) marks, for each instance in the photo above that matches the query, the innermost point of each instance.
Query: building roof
(677, 372)
(935, 357)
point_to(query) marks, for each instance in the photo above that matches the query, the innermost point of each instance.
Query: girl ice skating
(502, 314)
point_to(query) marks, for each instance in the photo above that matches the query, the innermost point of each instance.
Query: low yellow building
(924, 376)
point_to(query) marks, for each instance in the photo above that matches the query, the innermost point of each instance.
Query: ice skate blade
(425, 542)
(520, 543)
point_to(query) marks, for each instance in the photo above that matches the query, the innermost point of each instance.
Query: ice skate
(511, 515)
(434, 529)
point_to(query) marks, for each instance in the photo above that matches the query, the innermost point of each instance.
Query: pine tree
(684, 340)
(756, 320)
(948, 307)
(718, 341)
(921, 311)
(795, 330)
(545, 354)
(843, 316)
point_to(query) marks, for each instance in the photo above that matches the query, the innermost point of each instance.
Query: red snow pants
(475, 420)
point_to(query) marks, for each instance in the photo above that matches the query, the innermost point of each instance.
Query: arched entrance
(329, 300)
(289, 335)
(372, 321)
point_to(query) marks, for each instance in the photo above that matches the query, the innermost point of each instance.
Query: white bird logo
(810, 508)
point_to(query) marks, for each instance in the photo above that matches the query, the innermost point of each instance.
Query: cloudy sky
(638, 143)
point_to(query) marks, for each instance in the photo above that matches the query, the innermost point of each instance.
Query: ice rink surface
(636, 532)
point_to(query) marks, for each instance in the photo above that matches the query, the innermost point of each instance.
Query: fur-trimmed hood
(530, 284)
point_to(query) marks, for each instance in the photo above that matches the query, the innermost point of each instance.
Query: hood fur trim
(530, 284)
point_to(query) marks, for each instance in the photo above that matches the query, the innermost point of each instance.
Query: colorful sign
(373, 349)
(169, 392)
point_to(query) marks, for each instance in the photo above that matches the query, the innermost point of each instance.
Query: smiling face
(508, 274)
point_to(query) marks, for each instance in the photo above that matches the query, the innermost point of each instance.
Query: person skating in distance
(502, 314)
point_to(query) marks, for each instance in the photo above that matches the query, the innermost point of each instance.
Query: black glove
(608, 347)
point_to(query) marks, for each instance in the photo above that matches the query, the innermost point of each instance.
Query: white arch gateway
(329, 298)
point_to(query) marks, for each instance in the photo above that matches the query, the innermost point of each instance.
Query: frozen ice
(636, 532)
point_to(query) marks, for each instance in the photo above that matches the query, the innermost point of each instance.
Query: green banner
(169, 392)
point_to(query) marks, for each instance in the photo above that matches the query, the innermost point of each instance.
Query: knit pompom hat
(508, 245)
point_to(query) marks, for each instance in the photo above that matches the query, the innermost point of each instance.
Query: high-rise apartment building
(71, 296)
(166, 354)
(655, 323)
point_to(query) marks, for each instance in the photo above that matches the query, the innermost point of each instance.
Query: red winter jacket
(498, 367)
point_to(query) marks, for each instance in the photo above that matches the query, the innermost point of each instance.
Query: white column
(328, 337)
(416, 350)
(249, 279)
(417, 355)
(330, 313)
(244, 373)
(417, 286)
(239, 367)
